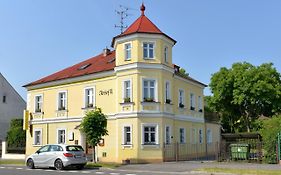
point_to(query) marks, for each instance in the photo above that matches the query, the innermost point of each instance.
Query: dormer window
(128, 51)
(148, 50)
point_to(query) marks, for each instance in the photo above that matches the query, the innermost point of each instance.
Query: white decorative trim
(72, 80)
(143, 66)
(123, 136)
(144, 36)
(58, 99)
(42, 100)
(133, 114)
(65, 135)
(124, 49)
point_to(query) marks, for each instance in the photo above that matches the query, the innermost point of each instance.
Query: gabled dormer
(143, 42)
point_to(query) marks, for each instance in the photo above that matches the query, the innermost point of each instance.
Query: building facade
(11, 106)
(148, 102)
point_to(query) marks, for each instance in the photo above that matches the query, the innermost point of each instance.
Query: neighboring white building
(11, 106)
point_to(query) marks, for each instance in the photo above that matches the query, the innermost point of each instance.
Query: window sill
(150, 102)
(37, 145)
(149, 58)
(65, 110)
(128, 59)
(127, 103)
(168, 103)
(38, 113)
(87, 108)
(127, 146)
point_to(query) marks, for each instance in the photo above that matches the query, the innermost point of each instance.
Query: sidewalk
(189, 166)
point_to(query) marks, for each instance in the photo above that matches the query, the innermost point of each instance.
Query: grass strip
(241, 171)
(11, 162)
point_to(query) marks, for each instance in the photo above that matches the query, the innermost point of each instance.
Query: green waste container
(239, 151)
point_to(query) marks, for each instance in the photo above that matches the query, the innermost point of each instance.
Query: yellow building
(154, 112)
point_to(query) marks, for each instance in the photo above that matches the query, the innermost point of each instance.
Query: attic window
(85, 66)
(111, 60)
(4, 99)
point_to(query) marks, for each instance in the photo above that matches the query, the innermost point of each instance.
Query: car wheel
(58, 164)
(80, 167)
(30, 163)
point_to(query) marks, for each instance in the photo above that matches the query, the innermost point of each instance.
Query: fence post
(176, 151)
(4, 146)
(164, 159)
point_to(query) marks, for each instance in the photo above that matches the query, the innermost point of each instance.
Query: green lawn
(98, 165)
(11, 162)
(241, 171)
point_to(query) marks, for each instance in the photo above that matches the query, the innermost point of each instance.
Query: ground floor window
(150, 134)
(37, 137)
(209, 136)
(168, 135)
(127, 139)
(182, 135)
(61, 136)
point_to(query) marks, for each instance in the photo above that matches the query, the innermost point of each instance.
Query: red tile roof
(95, 64)
(141, 25)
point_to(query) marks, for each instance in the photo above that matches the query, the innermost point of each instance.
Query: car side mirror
(37, 152)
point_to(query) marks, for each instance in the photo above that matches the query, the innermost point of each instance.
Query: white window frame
(35, 103)
(126, 50)
(200, 105)
(184, 135)
(58, 100)
(130, 90)
(124, 143)
(166, 54)
(155, 88)
(192, 100)
(86, 96)
(65, 135)
(153, 52)
(156, 133)
(181, 97)
(200, 136)
(40, 139)
(209, 136)
(168, 135)
(168, 90)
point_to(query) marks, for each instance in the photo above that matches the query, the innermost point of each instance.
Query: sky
(38, 38)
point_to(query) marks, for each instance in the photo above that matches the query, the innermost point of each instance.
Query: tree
(183, 72)
(94, 126)
(16, 135)
(244, 92)
(271, 128)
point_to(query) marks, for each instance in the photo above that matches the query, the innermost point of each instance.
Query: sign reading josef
(106, 92)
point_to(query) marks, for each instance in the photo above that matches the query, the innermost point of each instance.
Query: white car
(58, 156)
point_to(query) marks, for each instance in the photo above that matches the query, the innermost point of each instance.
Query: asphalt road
(167, 168)
(20, 170)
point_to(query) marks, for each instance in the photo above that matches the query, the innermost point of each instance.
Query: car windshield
(74, 148)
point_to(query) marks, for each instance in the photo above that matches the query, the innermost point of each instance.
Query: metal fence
(188, 151)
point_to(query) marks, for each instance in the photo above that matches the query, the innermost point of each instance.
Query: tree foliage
(94, 126)
(271, 128)
(183, 72)
(16, 135)
(243, 93)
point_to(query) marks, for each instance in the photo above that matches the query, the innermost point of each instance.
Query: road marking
(19, 168)
(99, 172)
(130, 174)
(73, 171)
(2, 167)
(85, 172)
(49, 170)
(114, 173)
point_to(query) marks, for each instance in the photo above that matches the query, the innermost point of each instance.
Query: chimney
(106, 52)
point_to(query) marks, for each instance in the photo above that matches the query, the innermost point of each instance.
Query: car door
(53, 154)
(39, 157)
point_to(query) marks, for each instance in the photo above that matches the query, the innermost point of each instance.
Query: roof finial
(142, 8)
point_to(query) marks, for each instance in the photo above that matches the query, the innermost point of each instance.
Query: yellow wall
(120, 113)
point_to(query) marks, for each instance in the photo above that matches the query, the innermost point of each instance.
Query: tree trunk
(94, 154)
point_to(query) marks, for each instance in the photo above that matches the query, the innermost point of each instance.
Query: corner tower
(143, 42)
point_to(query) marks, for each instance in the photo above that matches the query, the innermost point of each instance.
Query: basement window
(85, 66)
